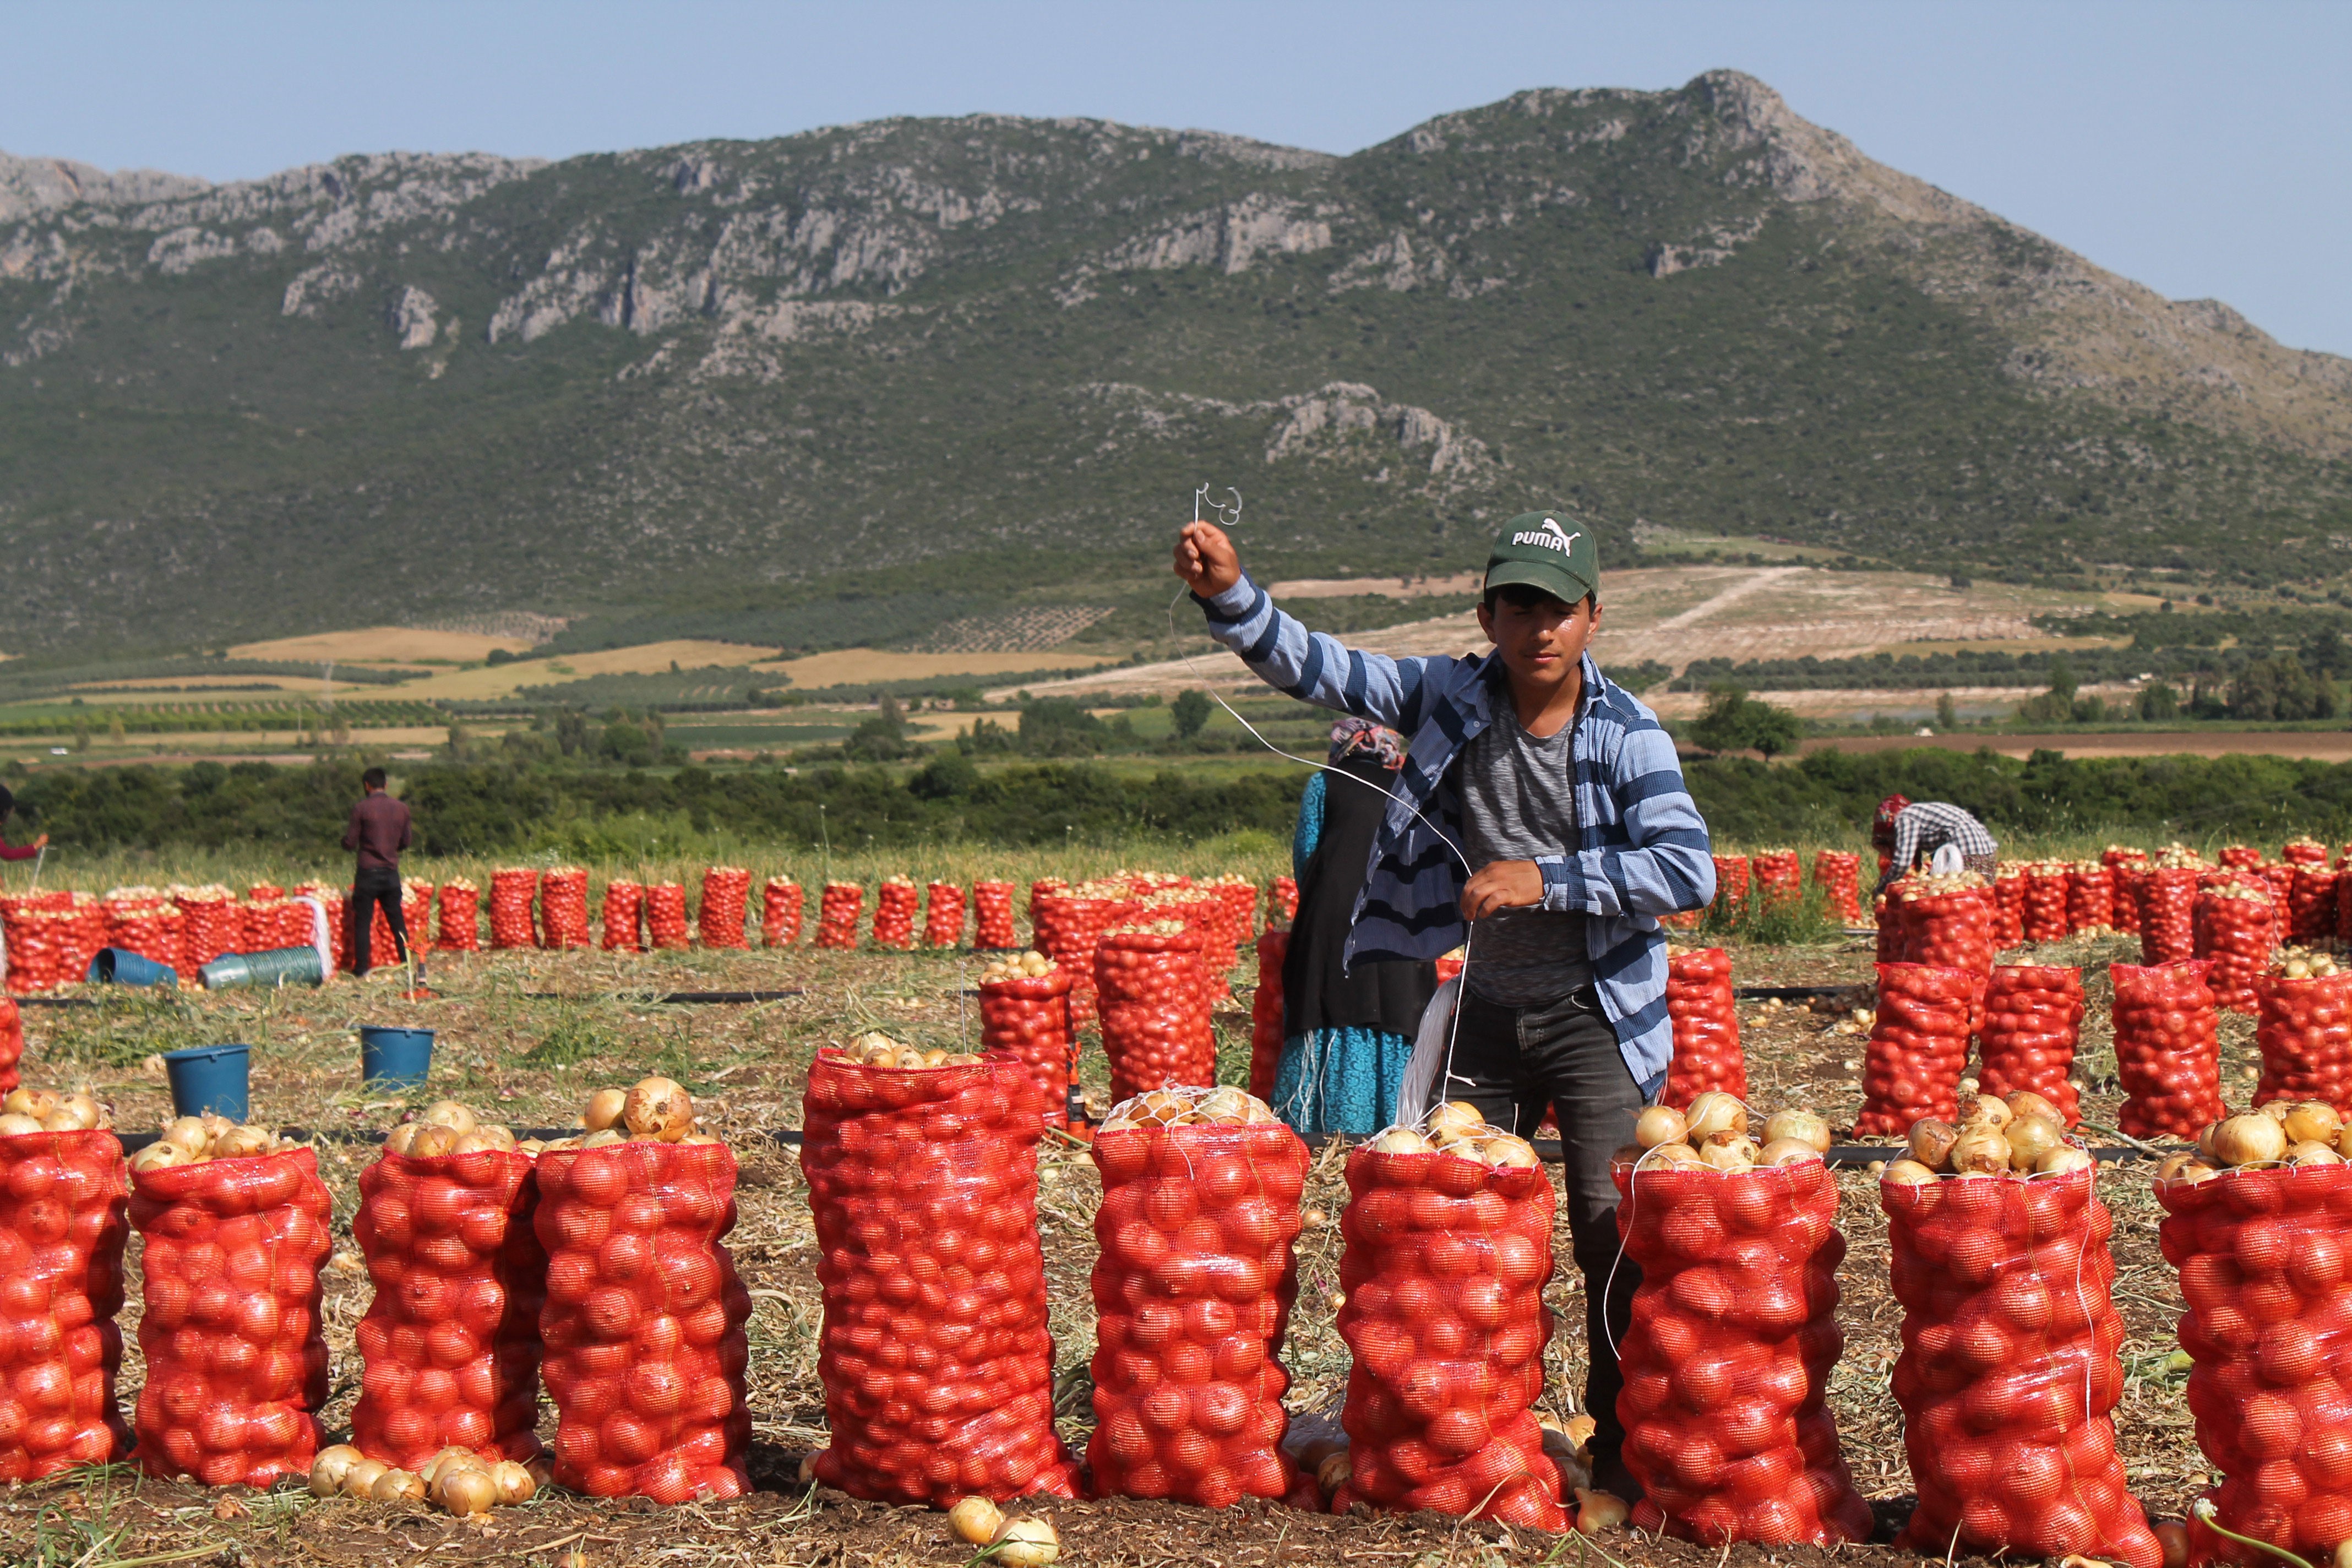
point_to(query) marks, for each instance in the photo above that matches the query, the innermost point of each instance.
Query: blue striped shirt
(1642, 849)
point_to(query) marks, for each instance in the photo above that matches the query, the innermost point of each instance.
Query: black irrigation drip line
(1792, 993)
(666, 998)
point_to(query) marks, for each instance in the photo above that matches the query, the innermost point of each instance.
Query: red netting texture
(1839, 871)
(624, 905)
(151, 928)
(725, 910)
(1156, 1022)
(2033, 1020)
(1286, 894)
(837, 911)
(666, 924)
(1731, 874)
(2125, 866)
(2310, 907)
(1918, 1047)
(1028, 1016)
(61, 1236)
(780, 913)
(942, 914)
(895, 907)
(2167, 1049)
(512, 890)
(2008, 908)
(2168, 914)
(2235, 934)
(12, 1042)
(992, 905)
(2303, 1030)
(563, 907)
(1265, 1013)
(1777, 876)
(460, 925)
(2045, 903)
(1706, 1027)
(2090, 896)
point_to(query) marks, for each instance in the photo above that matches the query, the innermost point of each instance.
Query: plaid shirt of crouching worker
(1643, 848)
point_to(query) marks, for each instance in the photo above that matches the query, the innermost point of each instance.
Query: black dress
(1316, 991)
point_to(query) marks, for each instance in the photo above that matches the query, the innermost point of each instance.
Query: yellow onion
(603, 1108)
(1597, 1512)
(188, 1133)
(449, 1113)
(2250, 1138)
(430, 1141)
(2314, 1121)
(1508, 1153)
(359, 1480)
(1979, 1149)
(15, 1124)
(328, 1470)
(1804, 1125)
(515, 1483)
(2025, 1102)
(975, 1520)
(2311, 1152)
(27, 1102)
(1026, 1541)
(1984, 1109)
(1455, 1113)
(1674, 1154)
(2276, 1110)
(657, 1108)
(1931, 1141)
(604, 1138)
(85, 1111)
(452, 1456)
(2172, 1537)
(214, 1125)
(1401, 1141)
(2029, 1138)
(1335, 1471)
(466, 1492)
(1660, 1125)
(239, 1141)
(156, 1156)
(1788, 1152)
(2063, 1160)
(1908, 1173)
(397, 1485)
(1713, 1112)
(1735, 1153)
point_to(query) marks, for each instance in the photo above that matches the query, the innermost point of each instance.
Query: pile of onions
(446, 1127)
(1030, 965)
(665, 907)
(1020, 1540)
(1713, 1134)
(875, 1049)
(942, 914)
(512, 890)
(200, 1139)
(42, 1110)
(2282, 1133)
(1192, 1107)
(2303, 964)
(457, 1480)
(651, 1110)
(1457, 1129)
(2022, 1135)
(2090, 896)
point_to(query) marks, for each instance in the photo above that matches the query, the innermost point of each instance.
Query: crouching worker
(1565, 797)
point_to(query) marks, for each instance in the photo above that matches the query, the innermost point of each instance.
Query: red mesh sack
(1075, 920)
(726, 907)
(1705, 1016)
(2008, 908)
(1839, 872)
(1240, 899)
(894, 913)
(2125, 866)
(992, 905)
(460, 926)
(837, 910)
(2303, 1030)
(2168, 914)
(1949, 923)
(2233, 931)
(1028, 1016)
(2262, 1256)
(61, 1236)
(2311, 905)
(2240, 855)
(450, 1343)
(624, 902)
(2280, 880)
(416, 913)
(2090, 896)
(2304, 852)
(12, 1042)
(1193, 1291)
(1285, 893)
(1265, 1013)
(261, 892)
(780, 913)
(214, 926)
(1891, 939)
(236, 1365)
(1156, 1025)
(512, 889)
(666, 924)
(1730, 883)
(2045, 903)
(1728, 1358)
(1038, 916)
(2034, 1021)
(1918, 1047)
(2009, 1369)
(1776, 876)
(152, 929)
(643, 1320)
(943, 915)
(2167, 1049)
(1443, 1272)
(937, 1362)
(49, 947)
(563, 907)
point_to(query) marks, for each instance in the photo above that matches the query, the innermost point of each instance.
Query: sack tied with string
(992, 904)
(2033, 1020)
(450, 1343)
(2167, 1049)
(1705, 1014)
(2168, 915)
(1265, 1013)
(1154, 1003)
(625, 901)
(935, 1356)
(62, 1228)
(1918, 1047)
(942, 914)
(1728, 1358)
(780, 913)
(1027, 1016)
(2009, 1368)
(2303, 1030)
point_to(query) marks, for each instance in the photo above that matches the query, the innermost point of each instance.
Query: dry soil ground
(532, 1060)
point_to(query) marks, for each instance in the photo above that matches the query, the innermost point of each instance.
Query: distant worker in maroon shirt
(18, 851)
(379, 831)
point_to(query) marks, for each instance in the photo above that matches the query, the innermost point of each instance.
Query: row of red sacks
(1776, 876)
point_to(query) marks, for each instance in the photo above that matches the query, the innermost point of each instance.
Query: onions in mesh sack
(1734, 1329)
(666, 924)
(2168, 1049)
(51, 944)
(512, 889)
(151, 927)
(1192, 1292)
(1286, 896)
(837, 910)
(1706, 1026)
(460, 925)
(563, 907)
(1730, 884)
(1265, 1012)
(61, 1237)
(780, 913)
(1024, 1011)
(213, 924)
(234, 1227)
(1947, 921)
(1776, 876)
(726, 906)
(1069, 924)
(1839, 873)
(2234, 930)
(12, 1042)
(2304, 850)
(2167, 910)
(942, 914)
(894, 912)
(416, 914)
(2125, 866)
(2009, 1368)
(2045, 901)
(2008, 908)
(937, 1362)
(2303, 1030)
(451, 1340)
(1918, 1047)
(991, 915)
(2090, 896)
(2033, 1018)
(2311, 905)
(2280, 880)
(625, 901)
(1448, 1238)
(1155, 1025)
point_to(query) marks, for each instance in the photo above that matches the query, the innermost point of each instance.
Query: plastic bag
(2234, 932)
(2033, 1020)
(1155, 1025)
(1193, 1289)
(512, 890)
(943, 915)
(450, 1341)
(1265, 1013)
(2168, 914)
(1705, 1014)
(2262, 1255)
(726, 907)
(894, 913)
(666, 924)
(563, 907)
(1028, 1018)
(1728, 1358)
(2311, 907)
(1776, 876)
(61, 1236)
(2009, 1369)
(1443, 1271)
(2167, 1049)
(237, 1368)
(643, 1320)
(2090, 896)
(991, 916)
(461, 904)
(937, 1362)
(1918, 1047)
(780, 913)
(1839, 872)
(837, 910)
(624, 902)
(2303, 1030)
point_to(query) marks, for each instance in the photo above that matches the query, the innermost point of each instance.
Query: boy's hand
(1205, 559)
(1502, 885)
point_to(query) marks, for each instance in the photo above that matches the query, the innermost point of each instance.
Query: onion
(397, 1485)
(603, 1108)
(1800, 1124)
(1675, 1154)
(2063, 1160)
(1713, 1112)
(1660, 1125)
(2173, 1537)
(1979, 1149)
(83, 1110)
(1509, 1153)
(1908, 1173)
(450, 1115)
(239, 1141)
(1930, 1143)
(2169, 1166)
(328, 1470)
(1736, 1153)
(1334, 1471)
(2025, 1102)
(453, 1455)
(1985, 1110)
(215, 1126)
(15, 1124)
(1788, 1152)
(2194, 1171)
(188, 1133)
(515, 1483)
(1597, 1512)
(33, 1102)
(658, 1108)
(975, 1520)
(2029, 1138)
(604, 1138)
(430, 1141)
(1402, 1140)
(1456, 1113)
(2275, 1109)
(466, 1492)
(2313, 1153)
(2250, 1138)
(359, 1481)
(808, 1465)
(1025, 1542)
(2314, 1121)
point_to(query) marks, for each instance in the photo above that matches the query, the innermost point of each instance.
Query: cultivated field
(383, 645)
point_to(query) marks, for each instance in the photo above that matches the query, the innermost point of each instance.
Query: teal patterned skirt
(1340, 1080)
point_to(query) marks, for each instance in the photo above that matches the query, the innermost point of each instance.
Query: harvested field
(533, 1061)
(383, 645)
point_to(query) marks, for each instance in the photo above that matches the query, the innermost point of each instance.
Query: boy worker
(1565, 795)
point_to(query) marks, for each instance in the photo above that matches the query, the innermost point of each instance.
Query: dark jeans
(1511, 1062)
(370, 886)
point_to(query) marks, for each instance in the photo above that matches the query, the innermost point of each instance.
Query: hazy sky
(2203, 148)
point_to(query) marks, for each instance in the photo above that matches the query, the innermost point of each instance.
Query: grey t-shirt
(1519, 800)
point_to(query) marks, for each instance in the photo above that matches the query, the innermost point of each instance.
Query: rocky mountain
(995, 357)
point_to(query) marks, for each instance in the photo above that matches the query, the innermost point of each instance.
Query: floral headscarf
(1362, 737)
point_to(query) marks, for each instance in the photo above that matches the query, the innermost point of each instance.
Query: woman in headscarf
(18, 851)
(1347, 1034)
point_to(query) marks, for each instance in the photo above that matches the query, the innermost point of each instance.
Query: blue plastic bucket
(391, 1057)
(121, 966)
(208, 1078)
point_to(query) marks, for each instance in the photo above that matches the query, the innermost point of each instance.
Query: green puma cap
(1546, 549)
